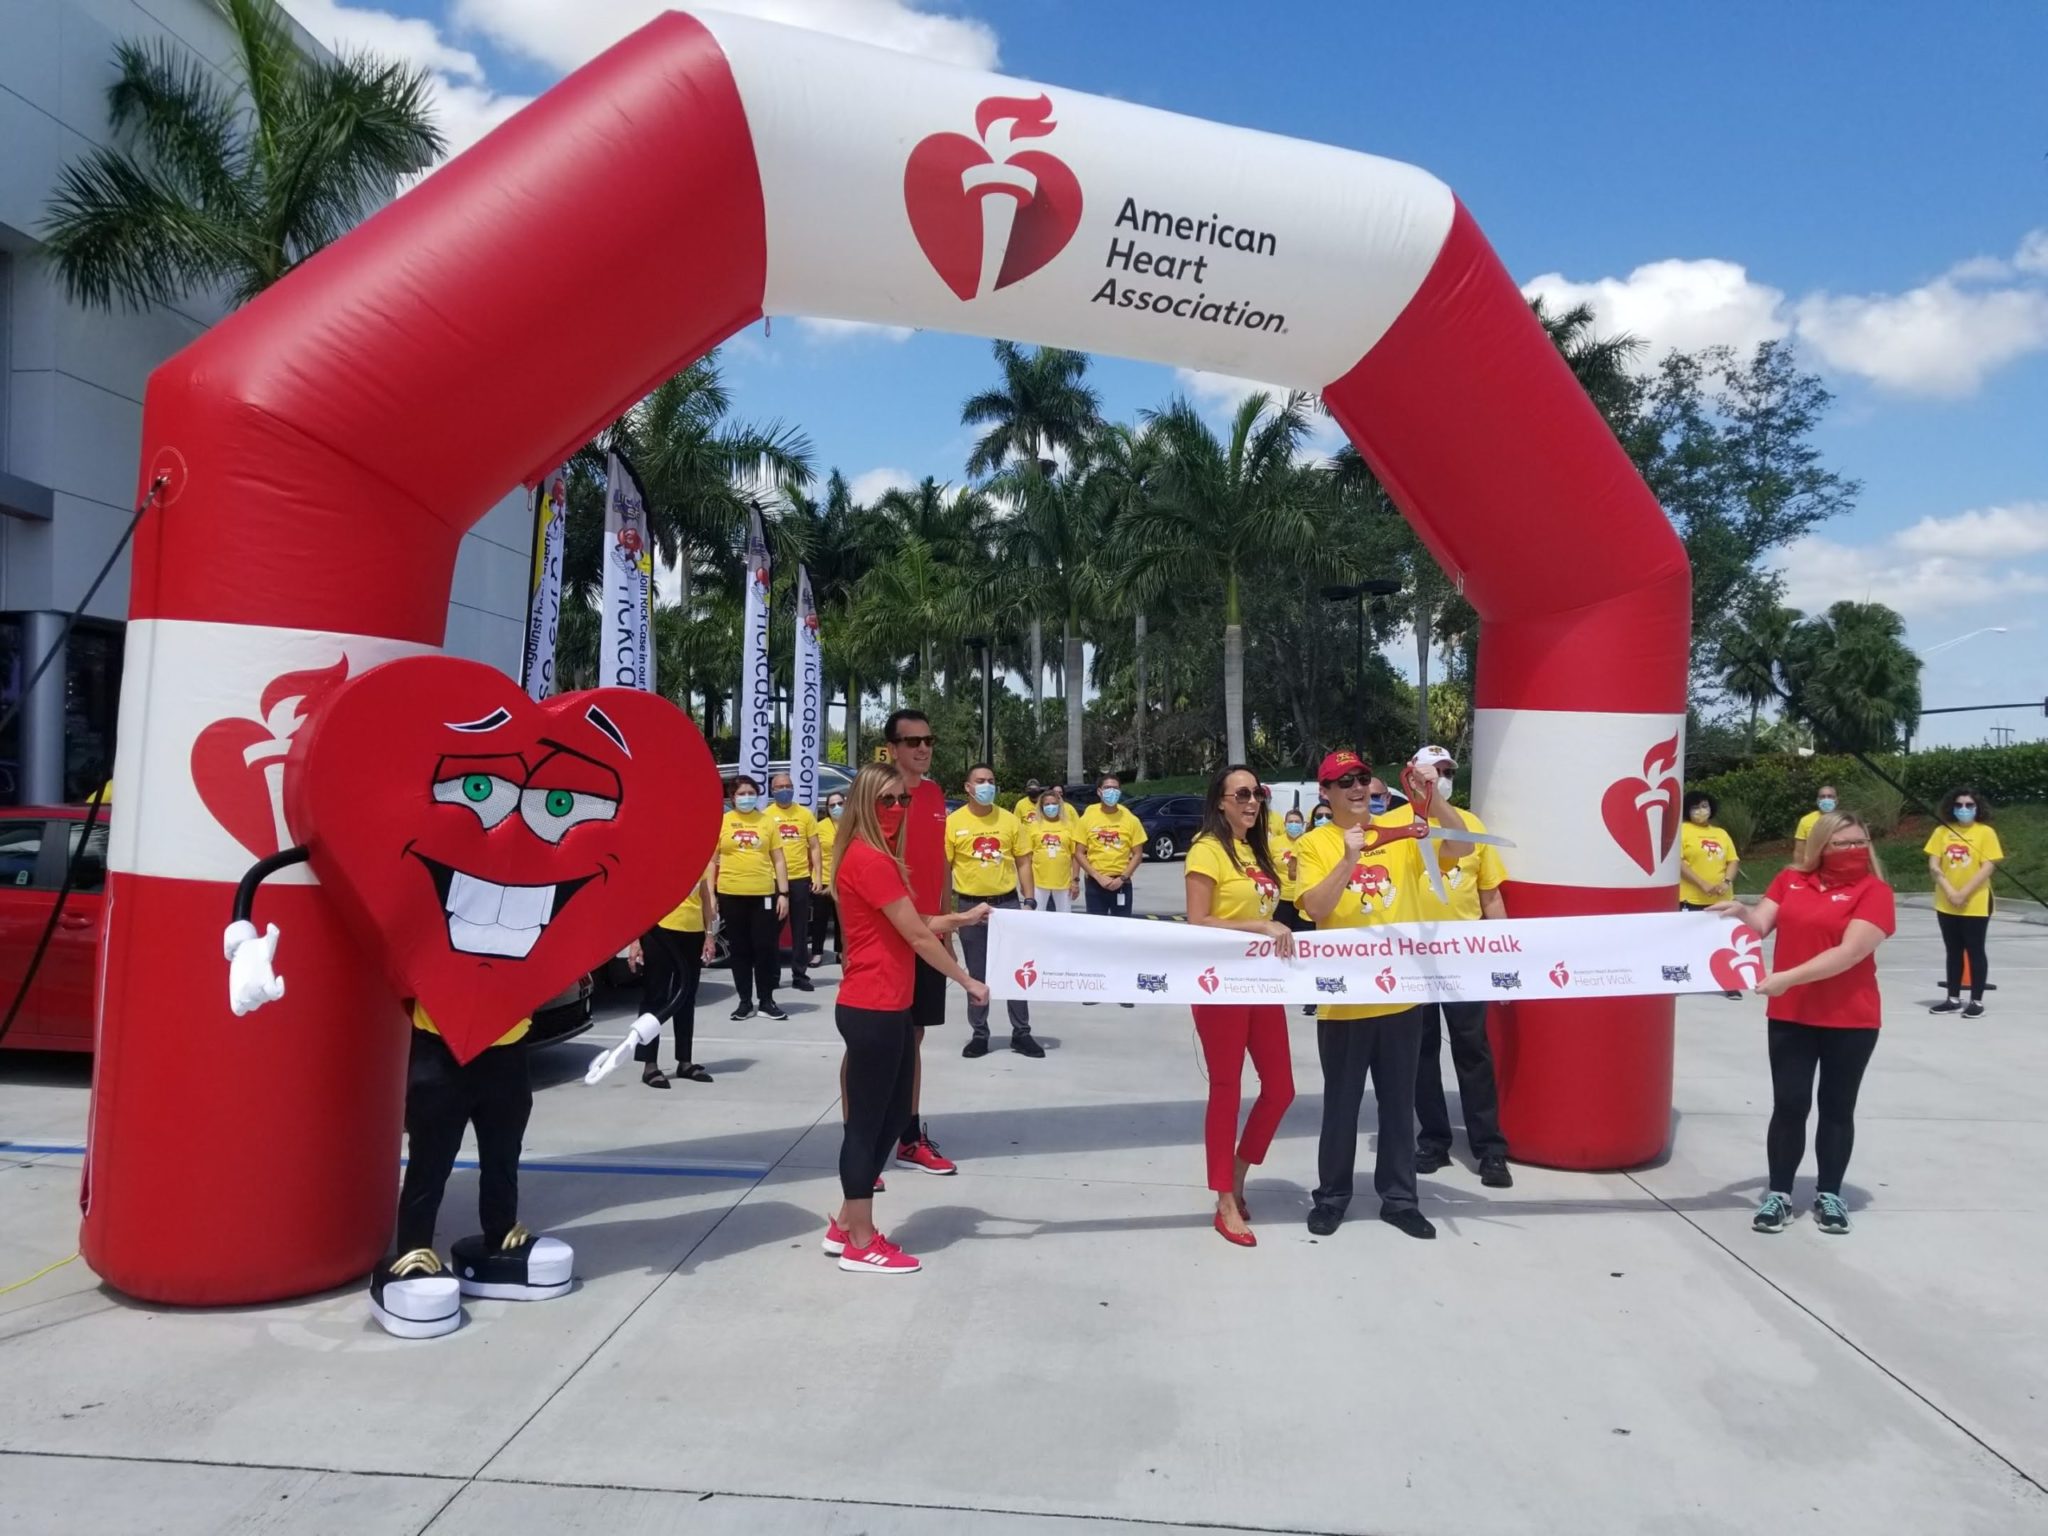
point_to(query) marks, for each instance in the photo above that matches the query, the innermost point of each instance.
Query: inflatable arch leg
(333, 440)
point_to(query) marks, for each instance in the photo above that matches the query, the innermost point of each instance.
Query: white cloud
(569, 35)
(851, 330)
(1675, 304)
(869, 487)
(1941, 338)
(1992, 533)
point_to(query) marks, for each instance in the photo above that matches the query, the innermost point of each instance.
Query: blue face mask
(1111, 796)
(1322, 821)
(784, 796)
(985, 794)
(1376, 804)
(1965, 814)
(1826, 804)
(1050, 811)
(838, 811)
(1294, 829)
(745, 802)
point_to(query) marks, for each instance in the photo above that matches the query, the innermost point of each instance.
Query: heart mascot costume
(485, 851)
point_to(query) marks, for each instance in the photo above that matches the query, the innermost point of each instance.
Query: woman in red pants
(1231, 884)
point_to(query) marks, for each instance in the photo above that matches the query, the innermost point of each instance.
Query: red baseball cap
(1337, 764)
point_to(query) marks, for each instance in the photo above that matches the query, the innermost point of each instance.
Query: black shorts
(928, 998)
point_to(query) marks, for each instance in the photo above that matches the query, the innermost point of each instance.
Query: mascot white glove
(252, 980)
(644, 1030)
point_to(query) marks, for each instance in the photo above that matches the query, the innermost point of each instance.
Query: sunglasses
(916, 741)
(1242, 796)
(1349, 781)
(892, 801)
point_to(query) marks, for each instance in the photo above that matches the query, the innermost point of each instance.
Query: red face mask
(1845, 864)
(890, 819)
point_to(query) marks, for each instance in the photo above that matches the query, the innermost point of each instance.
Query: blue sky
(1869, 180)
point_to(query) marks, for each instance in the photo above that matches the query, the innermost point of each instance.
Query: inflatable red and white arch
(328, 445)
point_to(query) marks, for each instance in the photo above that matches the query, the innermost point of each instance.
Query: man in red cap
(1354, 876)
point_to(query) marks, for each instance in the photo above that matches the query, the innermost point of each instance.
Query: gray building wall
(71, 379)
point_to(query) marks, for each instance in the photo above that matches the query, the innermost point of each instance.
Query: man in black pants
(1353, 877)
(1471, 893)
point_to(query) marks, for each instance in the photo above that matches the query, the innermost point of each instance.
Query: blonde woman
(1830, 912)
(880, 933)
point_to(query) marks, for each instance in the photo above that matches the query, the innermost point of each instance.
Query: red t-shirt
(1812, 918)
(924, 848)
(875, 960)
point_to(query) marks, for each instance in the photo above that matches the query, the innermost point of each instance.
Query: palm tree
(1755, 642)
(1222, 506)
(1124, 464)
(229, 187)
(1041, 405)
(1854, 677)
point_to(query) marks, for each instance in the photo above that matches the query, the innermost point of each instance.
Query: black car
(1171, 822)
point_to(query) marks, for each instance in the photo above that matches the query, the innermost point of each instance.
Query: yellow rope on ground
(32, 1279)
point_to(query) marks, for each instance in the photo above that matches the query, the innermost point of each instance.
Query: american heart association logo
(238, 763)
(1642, 813)
(1208, 981)
(1026, 974)
(1559, 976)
(986, 213)
(1385, 981)
(1739, 965)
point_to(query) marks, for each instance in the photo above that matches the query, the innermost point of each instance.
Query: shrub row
(1777, 791)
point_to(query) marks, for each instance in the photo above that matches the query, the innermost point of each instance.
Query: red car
(57, 1014)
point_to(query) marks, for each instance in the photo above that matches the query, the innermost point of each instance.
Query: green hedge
(1778, 790)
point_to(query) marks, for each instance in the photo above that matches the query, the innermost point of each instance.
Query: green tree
(1040, 406)
(1222, 507)
(1750, 647)
(1851, 673)
(230, 184)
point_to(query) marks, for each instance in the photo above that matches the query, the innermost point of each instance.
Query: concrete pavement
(1592, 1353)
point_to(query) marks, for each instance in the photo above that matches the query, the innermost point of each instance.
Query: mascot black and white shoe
(414, 1297)
(524, 1267)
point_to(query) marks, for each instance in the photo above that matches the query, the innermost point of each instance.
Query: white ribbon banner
(806, 702)
(1058, 957)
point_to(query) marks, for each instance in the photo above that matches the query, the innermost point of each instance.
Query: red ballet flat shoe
(1242, 1239)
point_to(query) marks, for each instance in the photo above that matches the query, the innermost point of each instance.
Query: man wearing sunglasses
(908, 739)
(1354, 874)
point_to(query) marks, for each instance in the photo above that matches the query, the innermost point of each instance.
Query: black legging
(752, 931)
(1841, 1055)
(442, 1098)
(881, 1064)
(799, 926)
(672, 963)
(1962, 936)
(824, 919)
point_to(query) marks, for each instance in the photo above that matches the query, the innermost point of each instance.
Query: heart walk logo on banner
(1559, 976)
(1027, 973)
(238, 763)
(1207, 981)
(1642, 813)
(1385, 981)
(985, 212)
(1739, 965)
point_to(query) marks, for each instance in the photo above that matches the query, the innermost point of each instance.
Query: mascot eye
(492, 798)
(552, 812)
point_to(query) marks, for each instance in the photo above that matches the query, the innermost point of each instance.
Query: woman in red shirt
(879, 932)
(1830, 910)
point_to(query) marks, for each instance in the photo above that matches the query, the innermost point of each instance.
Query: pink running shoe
(923, 1156)
(835, 1238)
(880, 1257)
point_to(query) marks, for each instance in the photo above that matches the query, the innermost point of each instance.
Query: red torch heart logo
(492, 849)
(238, 763)
(1642, 814)
(1739, 965)
(986, 213)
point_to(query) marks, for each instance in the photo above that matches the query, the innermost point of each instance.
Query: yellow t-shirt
(1285, 850)
(1052, 851)
(795, 826)
(1111, 840)
(1480, 870)
(983, 849)
(828, 839)
(1244, 892)
(1381, 890)
(689, 917)
(746, 862)
(1026, 811)
(1806, 825)
(1707, 852)
(1961, 850)
(511, 1036)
